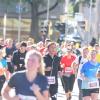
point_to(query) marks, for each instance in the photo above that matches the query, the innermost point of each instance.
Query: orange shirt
(2, 71)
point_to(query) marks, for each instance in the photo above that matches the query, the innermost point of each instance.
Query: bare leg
(67, 95)
(94, 96)
(87, 98)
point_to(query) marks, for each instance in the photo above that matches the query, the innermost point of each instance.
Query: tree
(34, 6)
(79, 5)
(35, 15)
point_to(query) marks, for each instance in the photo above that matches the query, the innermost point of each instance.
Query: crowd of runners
(32, 69)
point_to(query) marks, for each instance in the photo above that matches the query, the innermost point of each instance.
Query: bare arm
(45, 96)
(48, 68)
(98, 74)
(5, 93)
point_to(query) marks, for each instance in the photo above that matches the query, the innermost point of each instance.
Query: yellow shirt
(98, 58)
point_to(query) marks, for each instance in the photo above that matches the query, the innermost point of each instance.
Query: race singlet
(23, 97)
(51, 80)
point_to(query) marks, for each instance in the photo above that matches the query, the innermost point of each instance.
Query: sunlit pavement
(61, 93)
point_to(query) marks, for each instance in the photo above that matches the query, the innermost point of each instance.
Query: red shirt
(67, 62)
(42, 50)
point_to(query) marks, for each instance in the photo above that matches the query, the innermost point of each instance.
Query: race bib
(68, 72)
(23, 97)
(8, 59)
(21, 58)
(20, 65)
(93, 84)
(51, 80)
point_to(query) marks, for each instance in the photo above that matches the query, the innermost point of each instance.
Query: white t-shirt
(82, 61)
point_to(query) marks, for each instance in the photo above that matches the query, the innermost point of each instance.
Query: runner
(97, 48)
(30, 84)
(1, 43)
(17, 45)
(9, 49)
(98, 75)
(52, 62)
(18, 57)
(78, 66)
(68, 72)
(3, 70)
(90, 83)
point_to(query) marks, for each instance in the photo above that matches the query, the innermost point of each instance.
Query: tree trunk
(34, 21)
(35, 18)
(66, 6)
(81, 8)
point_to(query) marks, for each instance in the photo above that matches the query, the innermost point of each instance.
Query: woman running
(90, 83)
(30, 84)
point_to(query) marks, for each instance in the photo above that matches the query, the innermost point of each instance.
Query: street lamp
(19, 10)
(4, 28)
(90, 19)
(19, 26)
(48, 4)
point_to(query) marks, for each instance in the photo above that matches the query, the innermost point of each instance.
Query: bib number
(8, 59)
(94, 84)
(51, 80)
(68, 72)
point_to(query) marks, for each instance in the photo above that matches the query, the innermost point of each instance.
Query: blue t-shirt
(22, 85)
(4, 63)
(89, 70)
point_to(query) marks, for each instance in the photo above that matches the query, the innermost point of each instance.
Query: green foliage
(70, 8)
(76, 5)
(86, 1)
